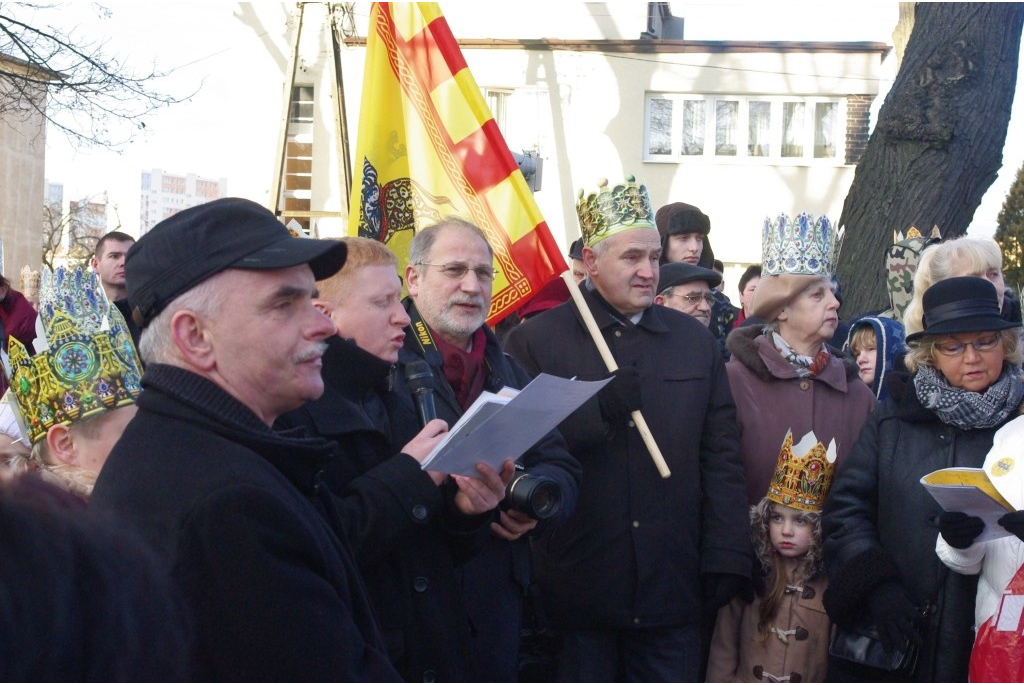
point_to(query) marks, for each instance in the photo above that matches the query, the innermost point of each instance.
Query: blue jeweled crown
(611, 210)
(89, 365)
(803, 245)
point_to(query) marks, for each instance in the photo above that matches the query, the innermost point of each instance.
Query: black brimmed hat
(184, 250)
(965, 304)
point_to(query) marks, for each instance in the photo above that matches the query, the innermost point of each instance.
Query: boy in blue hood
(877, 344)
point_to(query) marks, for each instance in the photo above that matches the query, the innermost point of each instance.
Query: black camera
(539, 497)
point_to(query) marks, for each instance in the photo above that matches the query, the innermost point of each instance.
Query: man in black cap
(687, 288)
(579, 272)
(237, 511)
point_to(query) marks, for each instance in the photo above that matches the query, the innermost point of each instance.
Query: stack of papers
(504, 425)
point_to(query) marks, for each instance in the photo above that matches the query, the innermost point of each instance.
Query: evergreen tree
(1010, 234)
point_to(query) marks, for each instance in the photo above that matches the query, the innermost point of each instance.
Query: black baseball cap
(189, 247)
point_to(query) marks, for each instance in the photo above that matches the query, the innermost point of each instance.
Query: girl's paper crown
(803, 473)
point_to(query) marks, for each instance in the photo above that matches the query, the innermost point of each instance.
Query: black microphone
(419, 377)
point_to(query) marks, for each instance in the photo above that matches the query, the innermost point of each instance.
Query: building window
(766, 129)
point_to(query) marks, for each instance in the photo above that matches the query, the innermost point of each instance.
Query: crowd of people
(219, 437)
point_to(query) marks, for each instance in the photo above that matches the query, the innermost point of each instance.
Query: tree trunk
(938, 143)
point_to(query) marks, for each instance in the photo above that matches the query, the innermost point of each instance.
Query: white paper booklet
(503, 426)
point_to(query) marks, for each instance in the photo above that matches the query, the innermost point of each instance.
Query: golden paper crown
(89, 363)
(612, 210)
(803, 473)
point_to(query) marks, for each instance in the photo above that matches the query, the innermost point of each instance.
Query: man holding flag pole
(627, 578)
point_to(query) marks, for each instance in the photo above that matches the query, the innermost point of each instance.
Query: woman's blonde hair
(965, 256)
(921, 352)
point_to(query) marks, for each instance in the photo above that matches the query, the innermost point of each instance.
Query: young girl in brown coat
(783, 635)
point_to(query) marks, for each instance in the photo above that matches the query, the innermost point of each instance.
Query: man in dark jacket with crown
(627, 577)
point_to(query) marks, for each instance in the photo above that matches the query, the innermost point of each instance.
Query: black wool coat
(633, 553)
(406, 534)
(493, 581)
(246, 526)
(879, 523)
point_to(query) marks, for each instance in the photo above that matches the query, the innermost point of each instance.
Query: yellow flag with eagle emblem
(428, 147)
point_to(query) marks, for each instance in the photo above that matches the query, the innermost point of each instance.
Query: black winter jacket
(404, 530)
(633, 554)
(493, 581)
(243, 520)
(880, 523)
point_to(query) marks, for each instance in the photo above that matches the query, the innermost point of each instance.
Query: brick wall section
(857, 123)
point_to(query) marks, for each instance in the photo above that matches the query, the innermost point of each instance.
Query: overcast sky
(212, 51)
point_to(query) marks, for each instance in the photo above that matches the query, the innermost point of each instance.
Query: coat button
(420, 584)
(419, 512)
(429, 676)
(636, 524)
(805, 385)
(631, 424)
(618, 334)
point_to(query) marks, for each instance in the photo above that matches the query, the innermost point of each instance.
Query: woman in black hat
(880, 523)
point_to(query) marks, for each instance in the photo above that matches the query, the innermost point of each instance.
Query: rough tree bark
(938, 143)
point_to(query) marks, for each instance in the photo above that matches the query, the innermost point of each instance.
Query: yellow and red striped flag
(428, 147)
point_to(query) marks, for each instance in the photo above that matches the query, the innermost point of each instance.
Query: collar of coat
(177, 393)
(351, 377)
(757, 352)
(607, 316)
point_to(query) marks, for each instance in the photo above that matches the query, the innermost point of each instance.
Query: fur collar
(742, 343)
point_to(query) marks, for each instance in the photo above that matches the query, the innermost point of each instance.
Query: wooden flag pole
(609, 361)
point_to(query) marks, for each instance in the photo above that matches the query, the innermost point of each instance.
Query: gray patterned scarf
(969, 410)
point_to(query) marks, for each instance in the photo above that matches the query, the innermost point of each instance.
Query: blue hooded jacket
(890, 346)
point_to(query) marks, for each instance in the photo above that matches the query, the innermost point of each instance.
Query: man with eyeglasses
(449, 278)
(687, 288)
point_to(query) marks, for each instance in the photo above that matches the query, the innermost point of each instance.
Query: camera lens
(539, 497)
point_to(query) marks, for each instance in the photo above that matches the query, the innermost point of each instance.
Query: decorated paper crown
(89, 364)
(803, 245)
(612, 210)
(803, 473)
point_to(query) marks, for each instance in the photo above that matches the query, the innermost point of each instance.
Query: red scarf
(463, 370)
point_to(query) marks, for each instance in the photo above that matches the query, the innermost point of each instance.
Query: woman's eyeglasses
(954, 348)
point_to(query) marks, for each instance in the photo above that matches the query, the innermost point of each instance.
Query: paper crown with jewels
(801, 245)
(803, 473)
(89, 364)
(611, 210)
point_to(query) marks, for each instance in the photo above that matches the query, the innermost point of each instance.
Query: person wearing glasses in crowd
(449, 277)
(879, 523)
(687, 288)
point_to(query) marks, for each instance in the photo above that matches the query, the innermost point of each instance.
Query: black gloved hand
(1013, 522)
(893, 614)
(959, 530)
(621, 396)
(720, 588)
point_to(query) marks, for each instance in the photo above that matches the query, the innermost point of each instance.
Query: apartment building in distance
(164, 194)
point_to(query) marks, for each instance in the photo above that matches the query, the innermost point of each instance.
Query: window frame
(740, 138)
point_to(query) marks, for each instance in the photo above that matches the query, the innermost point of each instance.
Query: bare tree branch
(92, 96)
